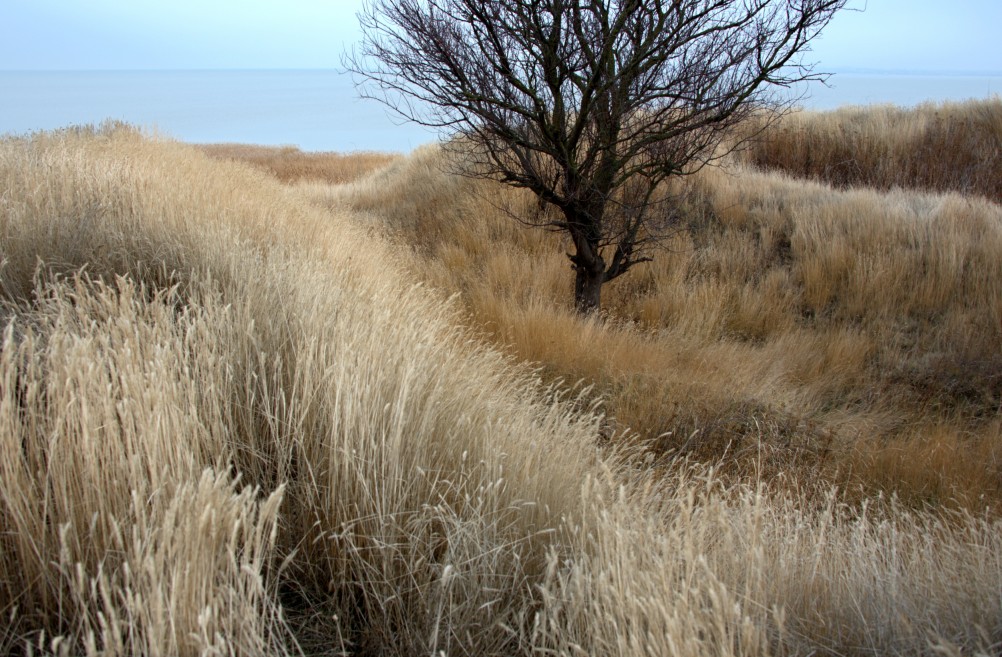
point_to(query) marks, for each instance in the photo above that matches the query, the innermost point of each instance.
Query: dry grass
(936, 147)
(227, 352)
(708, 571)
(289, 164)
(788, 327)
(231, 425)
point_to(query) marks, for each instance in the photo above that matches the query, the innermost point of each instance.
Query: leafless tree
(590, 104)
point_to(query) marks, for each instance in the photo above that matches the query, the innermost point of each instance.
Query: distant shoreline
(821, 68)
(319, 109)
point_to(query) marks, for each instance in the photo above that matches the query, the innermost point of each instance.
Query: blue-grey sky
(889, 35)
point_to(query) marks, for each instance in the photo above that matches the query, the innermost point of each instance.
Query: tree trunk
(584, 223)
(588, 290)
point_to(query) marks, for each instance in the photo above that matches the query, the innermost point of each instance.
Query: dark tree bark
(590, 104)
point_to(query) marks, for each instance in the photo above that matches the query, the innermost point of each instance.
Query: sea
(320, 110)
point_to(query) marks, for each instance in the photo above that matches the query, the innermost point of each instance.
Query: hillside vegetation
(231, 423)
(850, 333)
(935, 147)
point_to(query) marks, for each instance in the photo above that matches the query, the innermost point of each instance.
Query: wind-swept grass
(231, 424)
(180, 331)
(939, 147)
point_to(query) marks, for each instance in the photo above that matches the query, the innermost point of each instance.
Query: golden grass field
(261, 402)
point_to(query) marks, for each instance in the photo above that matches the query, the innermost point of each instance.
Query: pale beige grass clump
(737, 571)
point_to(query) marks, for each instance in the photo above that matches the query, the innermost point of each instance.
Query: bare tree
(590, 104)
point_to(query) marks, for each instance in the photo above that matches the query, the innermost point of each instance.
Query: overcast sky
(889, 35)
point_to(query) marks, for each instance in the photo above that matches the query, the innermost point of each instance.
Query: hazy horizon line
(319, 69)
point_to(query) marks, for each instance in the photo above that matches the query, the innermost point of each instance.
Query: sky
(928, 36)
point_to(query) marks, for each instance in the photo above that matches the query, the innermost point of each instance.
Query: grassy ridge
(231, 424)
(290, 164)
(935, 147)
(217, 401)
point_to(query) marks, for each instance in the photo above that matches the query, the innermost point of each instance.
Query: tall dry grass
(788, 326)
(231, 425)
(741, 572)
(218, 405)
(935, 147)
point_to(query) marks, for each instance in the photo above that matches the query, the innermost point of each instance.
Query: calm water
(319, 110)
(315, 110)
(906, 90)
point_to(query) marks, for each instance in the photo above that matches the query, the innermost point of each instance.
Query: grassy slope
(231, 424)
(936, 147)
(847, 333)
(227, 347)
